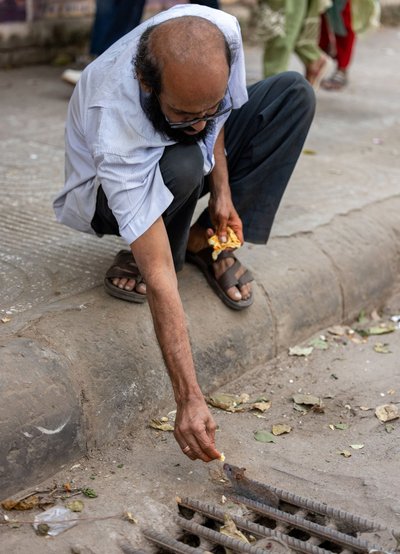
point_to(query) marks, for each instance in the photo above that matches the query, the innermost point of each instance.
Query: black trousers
(263, 140)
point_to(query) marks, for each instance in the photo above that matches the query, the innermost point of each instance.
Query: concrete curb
(70, 392)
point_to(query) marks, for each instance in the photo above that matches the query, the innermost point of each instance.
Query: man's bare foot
(197, 241)
(123, 278)
(129, 285)
(316, 70)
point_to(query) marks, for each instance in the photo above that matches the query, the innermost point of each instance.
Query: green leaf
(307, 399)
(90, 493)
(382, 348)
(341, 426)
(319, 343)
(264, 436)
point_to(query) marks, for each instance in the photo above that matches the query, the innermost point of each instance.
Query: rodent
(248, 488)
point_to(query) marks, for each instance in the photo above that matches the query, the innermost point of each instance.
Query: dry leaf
(25, 504)
(227, 402)
(338, 330)
(261, 406)
(128, 516)
(5, 319)
(307, 399)
(382, 348)
(230, 530)
(345, 453)
(160, 425)
(387, 412)
(280, 429)
(75, 505)
(300, 350)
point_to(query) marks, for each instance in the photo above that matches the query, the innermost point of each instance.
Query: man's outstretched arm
(194, 425)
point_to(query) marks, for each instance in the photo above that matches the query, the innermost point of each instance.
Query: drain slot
(298, 524)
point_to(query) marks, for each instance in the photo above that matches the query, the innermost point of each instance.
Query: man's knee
(296, 89)
(182, 169)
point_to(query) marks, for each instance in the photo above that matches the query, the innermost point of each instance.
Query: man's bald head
(188, 44)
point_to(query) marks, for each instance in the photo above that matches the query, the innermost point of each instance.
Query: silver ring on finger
(186, 449)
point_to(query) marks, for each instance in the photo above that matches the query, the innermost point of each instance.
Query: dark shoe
(124, 266)
(203, 260)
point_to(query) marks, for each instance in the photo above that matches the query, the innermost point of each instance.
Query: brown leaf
(280, 429)
(25, 504)
(387, 412)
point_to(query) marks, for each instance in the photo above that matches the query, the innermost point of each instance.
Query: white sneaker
(71, 76)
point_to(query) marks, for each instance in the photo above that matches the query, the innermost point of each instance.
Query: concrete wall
(34, 31)
(37, 31)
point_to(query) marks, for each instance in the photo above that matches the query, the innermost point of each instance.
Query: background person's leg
(264, 139)
(113, 19)
(345, 44)
(277, 50)
(208, 3)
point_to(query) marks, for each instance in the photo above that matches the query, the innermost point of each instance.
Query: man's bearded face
(153, 111)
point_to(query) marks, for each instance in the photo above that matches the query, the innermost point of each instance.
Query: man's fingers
(199, 446)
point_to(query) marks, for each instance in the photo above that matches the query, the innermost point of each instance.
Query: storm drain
(296, 524)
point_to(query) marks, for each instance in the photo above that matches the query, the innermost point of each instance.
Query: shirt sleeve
(127, 167)
(135, 190)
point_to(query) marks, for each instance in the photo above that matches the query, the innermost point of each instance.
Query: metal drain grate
(297, 524)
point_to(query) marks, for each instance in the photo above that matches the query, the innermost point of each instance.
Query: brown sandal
(124, 266)
(228, 279)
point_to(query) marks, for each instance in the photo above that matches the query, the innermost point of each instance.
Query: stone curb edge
(65, 391)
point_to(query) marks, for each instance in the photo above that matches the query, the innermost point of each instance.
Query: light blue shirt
(110, 140)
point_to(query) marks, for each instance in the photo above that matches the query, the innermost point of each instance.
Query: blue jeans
(115, 18)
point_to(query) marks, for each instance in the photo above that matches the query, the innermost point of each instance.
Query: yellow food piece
(222, 457)
(232, 242)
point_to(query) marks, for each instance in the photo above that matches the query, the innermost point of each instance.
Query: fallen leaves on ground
(280, 429)
(319, 343)
(340, 426)
(238, 402)
(382, 348)
(90, 493)
(300, 350)
(75, 505)
(164, 423)
(264, 436)
(387, 412)
(229, 529)
(345, 453)
(25, 504)
(128, 516)
(382, 329)
(307, 399)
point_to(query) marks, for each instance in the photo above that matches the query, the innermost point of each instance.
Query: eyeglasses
(184, 124)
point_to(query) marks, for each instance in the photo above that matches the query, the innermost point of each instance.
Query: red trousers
(341, 48)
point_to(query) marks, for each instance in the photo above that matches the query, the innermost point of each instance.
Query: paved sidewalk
(79, 366)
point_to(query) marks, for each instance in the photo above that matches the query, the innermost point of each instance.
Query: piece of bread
(231, 243)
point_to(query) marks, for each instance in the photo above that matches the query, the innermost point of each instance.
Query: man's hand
(195, 430)
(223, 214)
